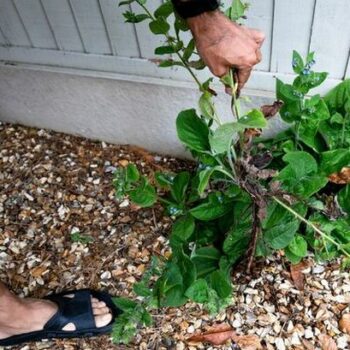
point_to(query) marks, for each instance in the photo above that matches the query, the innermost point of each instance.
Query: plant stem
(343, 130)
(297, 127)
(313, 226)
(190, 71)
(177, 53)
(254, 240)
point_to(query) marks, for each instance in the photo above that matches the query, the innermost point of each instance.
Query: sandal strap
(76, 310)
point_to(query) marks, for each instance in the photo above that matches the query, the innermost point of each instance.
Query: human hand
(223, 44)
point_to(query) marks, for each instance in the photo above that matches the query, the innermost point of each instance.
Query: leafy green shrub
(248, 196)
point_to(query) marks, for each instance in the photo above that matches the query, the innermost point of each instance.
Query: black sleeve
(191, 8)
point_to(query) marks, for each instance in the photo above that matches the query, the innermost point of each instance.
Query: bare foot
(19, 316)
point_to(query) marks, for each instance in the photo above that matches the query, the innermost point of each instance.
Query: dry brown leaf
(123, 162)
(125, 219)
(217, 335)
(296, 272)
(344, 323)
(307, 345)
(248, 133)
(38, 271)
(248, 342)
(341, 178)
(271, 110)
(327, 343)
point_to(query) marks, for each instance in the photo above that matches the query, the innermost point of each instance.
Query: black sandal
(73, 307)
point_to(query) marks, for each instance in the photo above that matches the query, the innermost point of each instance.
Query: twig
(254, 240)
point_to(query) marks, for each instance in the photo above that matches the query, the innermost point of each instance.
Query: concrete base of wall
(108, 107)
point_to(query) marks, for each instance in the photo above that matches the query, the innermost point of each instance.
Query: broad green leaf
(164, 179)
(294, 259)
(163, 50)
(187, 53)
(337, 118)
(206, 260)
(214, 207)
(187, 268)
(183, 227)
(215, 303)
(198, 291)
(279, 236)
(316, 112)
(344, 198)
(204, 177)
(291, 111)
(286, 92)
(228, 80)
(170, 63)
(169, 286)
(174, 297)
(223, 135)
(237, 10)
(237, 241)
(142, 290)
(205, 105)
(179, 187)
(180, 24)
(304, 83)
(146, 319)
(164, 10)
(308, 133)
(309, 185)
(131, 17)
(159, 26)
(125, 304)
(280, 226)
(254, 119)
(300, 175)
(220, 283)
(300, 163)
(144, 195)
(192, 131)
(338, 99)
(298, 63)
(198, 64)
(126, 2)
(132, 174)
(336, 135)
(333, 161)
(298, 246)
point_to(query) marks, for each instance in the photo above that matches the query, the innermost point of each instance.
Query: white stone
(280, 344)
(308, 333)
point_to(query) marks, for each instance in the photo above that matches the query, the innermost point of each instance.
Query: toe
(103, 320)
(101, 304)
(100, 311)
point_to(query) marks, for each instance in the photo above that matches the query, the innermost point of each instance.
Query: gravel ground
(55, 187)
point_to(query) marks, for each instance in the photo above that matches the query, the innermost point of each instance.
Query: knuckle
(218, 71)
(261, 36)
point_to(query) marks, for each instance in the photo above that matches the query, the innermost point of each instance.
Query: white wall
(140, 112)
(74, 66)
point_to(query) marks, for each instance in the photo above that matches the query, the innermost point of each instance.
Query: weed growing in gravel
(249, 196)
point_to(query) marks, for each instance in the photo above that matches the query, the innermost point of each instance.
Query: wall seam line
(50, 26)
(272, 34)
(21, 20)
(111, 47)
(77, 25)
(312, 26)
